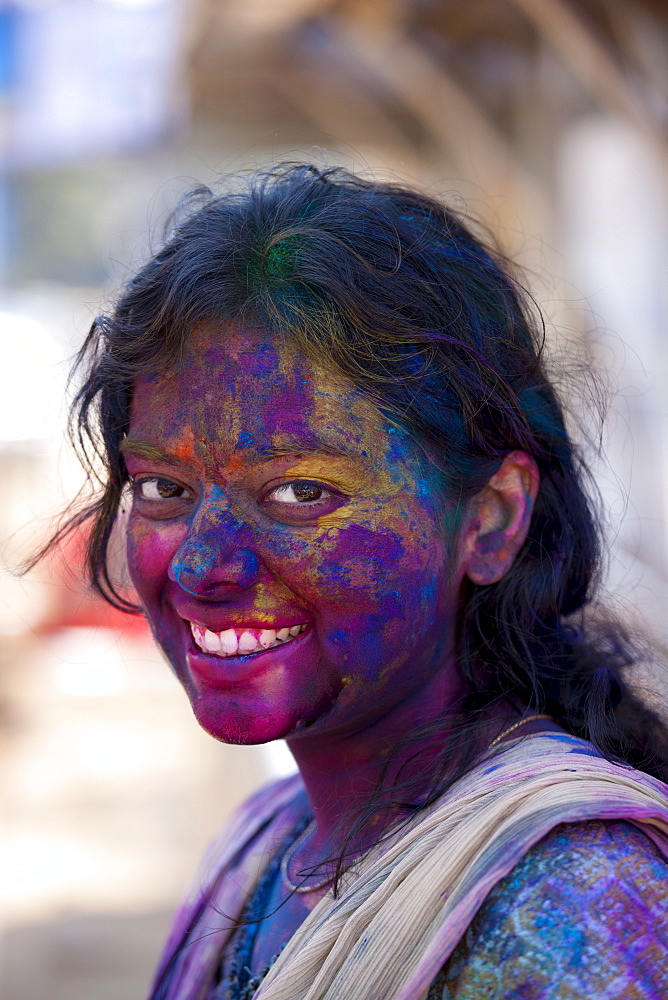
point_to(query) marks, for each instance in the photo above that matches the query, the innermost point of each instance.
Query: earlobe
(500, 518)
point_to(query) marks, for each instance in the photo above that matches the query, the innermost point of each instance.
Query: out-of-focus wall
(543, 118)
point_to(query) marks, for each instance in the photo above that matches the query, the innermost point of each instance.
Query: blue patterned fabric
(583, 915)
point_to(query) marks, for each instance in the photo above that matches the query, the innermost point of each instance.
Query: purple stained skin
(374, 566)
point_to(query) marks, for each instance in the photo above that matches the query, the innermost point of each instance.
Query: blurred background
(546, 119)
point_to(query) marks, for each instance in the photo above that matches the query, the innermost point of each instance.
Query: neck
(342, 773)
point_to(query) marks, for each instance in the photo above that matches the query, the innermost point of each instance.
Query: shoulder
(584, 913)
(565, 879)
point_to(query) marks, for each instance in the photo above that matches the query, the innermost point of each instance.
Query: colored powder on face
(371, 570)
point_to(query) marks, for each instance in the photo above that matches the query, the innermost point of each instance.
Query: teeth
(198, 632)
(247, 642)
(267, 637)
(211, 642)
(231, 641)
(228, 641)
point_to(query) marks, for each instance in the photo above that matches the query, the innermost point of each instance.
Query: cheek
(393, 572)
(361, 567)
(150, 550)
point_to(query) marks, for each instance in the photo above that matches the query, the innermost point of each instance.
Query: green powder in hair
(279, 260)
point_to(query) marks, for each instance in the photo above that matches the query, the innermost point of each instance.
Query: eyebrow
(135, 447)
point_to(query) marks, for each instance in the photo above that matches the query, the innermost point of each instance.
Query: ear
(499, 518)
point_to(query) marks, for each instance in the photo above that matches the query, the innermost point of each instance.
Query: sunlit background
(544, 118)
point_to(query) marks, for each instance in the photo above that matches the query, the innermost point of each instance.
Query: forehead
(242, 389)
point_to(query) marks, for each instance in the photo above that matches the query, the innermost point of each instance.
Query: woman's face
(271, 496)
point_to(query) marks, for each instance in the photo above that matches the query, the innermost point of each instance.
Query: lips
(247, 667)
(242, 641)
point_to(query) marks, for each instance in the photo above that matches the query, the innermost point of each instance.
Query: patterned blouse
(584, 915)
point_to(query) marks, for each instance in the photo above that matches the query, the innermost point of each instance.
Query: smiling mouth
(240, 641)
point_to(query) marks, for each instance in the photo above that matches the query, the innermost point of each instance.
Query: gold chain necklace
(516, 725)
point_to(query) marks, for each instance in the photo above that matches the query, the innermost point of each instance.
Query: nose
(217, 555)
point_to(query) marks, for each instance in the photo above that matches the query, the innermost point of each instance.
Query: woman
(357, 523)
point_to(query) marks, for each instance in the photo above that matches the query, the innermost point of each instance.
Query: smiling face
(287, 544)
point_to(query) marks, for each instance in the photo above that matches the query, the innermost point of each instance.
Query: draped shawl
(404, 907)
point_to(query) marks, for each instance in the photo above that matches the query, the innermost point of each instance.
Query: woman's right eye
(159, 489)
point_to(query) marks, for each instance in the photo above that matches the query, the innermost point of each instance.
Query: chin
(229, 720)
(239, 730)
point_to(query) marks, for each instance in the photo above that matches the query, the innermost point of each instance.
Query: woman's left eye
(299, 493)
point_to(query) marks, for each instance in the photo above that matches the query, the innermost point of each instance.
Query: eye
(159, 489)
(300, 492)
(301, 501)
